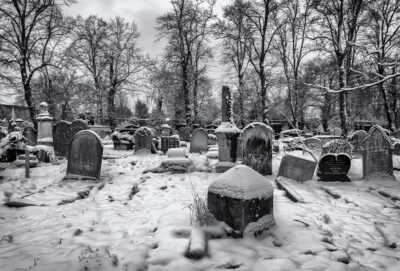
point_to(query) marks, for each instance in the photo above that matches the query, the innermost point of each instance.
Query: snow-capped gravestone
(85, 156)
(257, 147)
(334, 167)
(31, 135)
(357, 139)
(227, 134)
(78, 125)
(62, 136)
(297, 168)
(243, 199)
(143, 140)
(199, 141)
(377, 154)
(45, 123)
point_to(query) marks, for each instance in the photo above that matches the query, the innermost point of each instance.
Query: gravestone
(241, 196)
(143, 140)
(168, 142)
(78, 125)
(313, 144)
(184, 133)
(198, 143)
(377, 154)
(297, 168)
(62, 136)
(85, 156)
(45, 123)
(257, 147)
(334, 167)
(357, 138)
(31, 135)
(166, 130)
(396, 148)
(396, 134)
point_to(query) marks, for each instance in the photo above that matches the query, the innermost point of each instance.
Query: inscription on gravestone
(334, 167)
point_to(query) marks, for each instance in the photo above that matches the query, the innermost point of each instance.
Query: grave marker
(85, 156)
(78, 125)
(297, 168)
(143, 140)
(31, 135)
(334, 167)
(62, 136)
(198, 143)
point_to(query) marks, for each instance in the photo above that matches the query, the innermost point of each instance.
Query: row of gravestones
(377, 151)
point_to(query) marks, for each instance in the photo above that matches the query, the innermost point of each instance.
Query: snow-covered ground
(135, 221)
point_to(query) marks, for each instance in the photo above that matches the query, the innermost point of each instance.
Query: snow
(176, 152)
(253, 124)
(242, 182)
(45, 140)
(109, 231)
(228, 128)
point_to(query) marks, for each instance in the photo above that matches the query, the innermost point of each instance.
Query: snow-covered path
(135, 221)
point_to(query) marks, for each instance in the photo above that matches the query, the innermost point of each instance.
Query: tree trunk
(111, 108)
(241, 102)
(195, 103)
(388, 109)
(342, 99)
(28, 94)
(264, 104)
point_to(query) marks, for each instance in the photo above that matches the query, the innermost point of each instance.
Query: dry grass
(199, 213)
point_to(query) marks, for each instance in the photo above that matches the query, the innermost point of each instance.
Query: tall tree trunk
(342, 99)
(264, 102)
(111, 108)
(241, 101)
(388, 109)
(28, 93)
(195, 102)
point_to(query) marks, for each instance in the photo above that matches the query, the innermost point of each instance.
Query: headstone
(143, 140)
(184, 133)
(357, 139)
(168, 142)
(377, 154)
(199, 140)
(45, 126)
(257, 147)
(334, 167)
(78, 125)
(85, 156)
(313, 144)
(396, 148)
(396, 134)
(166, 130)
(31, 135)
(62, 136)
(243, 199)
(297, 168)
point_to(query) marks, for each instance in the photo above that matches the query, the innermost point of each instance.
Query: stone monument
(143, 140)
(199, 141)
(45, 125)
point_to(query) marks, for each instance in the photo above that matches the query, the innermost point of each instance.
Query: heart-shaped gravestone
(334, 167)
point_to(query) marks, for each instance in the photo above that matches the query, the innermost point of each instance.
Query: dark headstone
(297, 168)
(62, 136)
(184, 133)
(377, 154)
(334, 167)
(30, 134)
(143, 140)
(199, 141)
(357, 139)
(85, 156)
(168, 142)
(78, 125)
(257, 147)
(241, 196)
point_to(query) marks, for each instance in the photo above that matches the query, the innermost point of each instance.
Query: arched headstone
(62, 136)
(143, 140)
(78, 125)
(31, 135)
(257, 147)
(85, 156)
(199, 141)
(377, 154)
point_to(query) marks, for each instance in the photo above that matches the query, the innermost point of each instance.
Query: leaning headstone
(143, 140)
(334, 167)
(297, 168)
(357, 139)
(199, 140)
(78, 125)
(31, 135)
(85, 156)
(62, 136)
(257, 147)
(377, 154)
(243, 199)
(45, 123)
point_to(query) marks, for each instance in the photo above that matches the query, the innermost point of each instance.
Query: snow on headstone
(176, 152)
(241, 197)
(143, 140)
(257, 147)
(85, 156)
(377, 154)
(199, 141)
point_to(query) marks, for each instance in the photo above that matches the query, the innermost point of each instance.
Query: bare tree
(184, 27)
(27, 29)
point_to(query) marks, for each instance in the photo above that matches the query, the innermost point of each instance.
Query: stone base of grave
(239, 213)
(47, 141)
(70, 176)
(222, 166)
